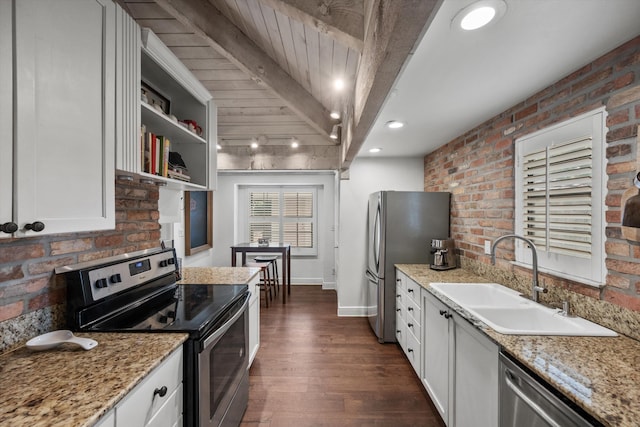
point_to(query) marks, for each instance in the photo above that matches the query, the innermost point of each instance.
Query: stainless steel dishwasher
(525, 402)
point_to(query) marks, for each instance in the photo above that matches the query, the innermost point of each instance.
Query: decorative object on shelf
(198, 207)
(161, 103)
(263, 242)
(192, 125)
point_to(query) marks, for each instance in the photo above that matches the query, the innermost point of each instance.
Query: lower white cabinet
(254, 318)
(408, 319)
(460, 367)
(436, 355)
(155, 402)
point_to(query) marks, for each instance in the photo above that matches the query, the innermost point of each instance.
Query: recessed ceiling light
(218, 146)
(334, 132)
(254, 143)
(479, 14)
(334, 115)
(294, 143)
(375, 150)
(338, 84)
(394, 124)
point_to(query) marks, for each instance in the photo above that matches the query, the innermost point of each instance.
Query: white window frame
(591, 271)
(244, 218)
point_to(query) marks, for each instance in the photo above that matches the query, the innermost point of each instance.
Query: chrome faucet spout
(535, 289)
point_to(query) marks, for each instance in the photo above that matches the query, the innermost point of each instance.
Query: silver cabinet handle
(526, 399)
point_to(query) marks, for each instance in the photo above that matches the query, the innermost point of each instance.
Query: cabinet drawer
(413, 327)
(401, 331)
(413, 291)
(413, 351)
(400, 298)
(170, 412)
(413, 311)
(141, 404)
(401, 280)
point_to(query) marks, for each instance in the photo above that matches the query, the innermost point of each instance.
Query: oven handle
(224, 328)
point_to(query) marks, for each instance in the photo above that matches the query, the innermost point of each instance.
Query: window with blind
(560, 184)
(284, 214)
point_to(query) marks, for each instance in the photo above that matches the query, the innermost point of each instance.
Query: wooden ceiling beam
(393, 31)
(342, 20)
(209, 23)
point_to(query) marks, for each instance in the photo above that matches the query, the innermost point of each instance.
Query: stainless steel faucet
(535, 289)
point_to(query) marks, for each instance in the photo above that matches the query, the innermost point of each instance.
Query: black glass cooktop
(184, 308)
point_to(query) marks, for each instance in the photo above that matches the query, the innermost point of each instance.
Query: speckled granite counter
(599, 374)
(218, 275)
(68, 386)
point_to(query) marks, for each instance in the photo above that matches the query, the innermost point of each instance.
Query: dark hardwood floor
(317, 369)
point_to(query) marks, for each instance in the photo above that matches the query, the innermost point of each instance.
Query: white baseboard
(328, 286)
(354, 311)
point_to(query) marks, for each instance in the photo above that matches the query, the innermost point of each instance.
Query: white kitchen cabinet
(475, 384)
(460, 367)
(408, 319)
(57, 131)
(254, 318)
(436, 354)
(167, 79)
(157, 400)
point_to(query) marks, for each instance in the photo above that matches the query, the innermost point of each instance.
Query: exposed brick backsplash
(27, 264)
(478, 167)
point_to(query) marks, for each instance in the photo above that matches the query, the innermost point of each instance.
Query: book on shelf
(155, 155)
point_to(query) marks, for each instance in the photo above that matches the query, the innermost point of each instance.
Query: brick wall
(26, 264)
(478, 167)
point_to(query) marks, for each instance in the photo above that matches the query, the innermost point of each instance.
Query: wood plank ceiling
(271, 64)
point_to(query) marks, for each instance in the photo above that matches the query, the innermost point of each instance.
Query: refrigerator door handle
(376, 238)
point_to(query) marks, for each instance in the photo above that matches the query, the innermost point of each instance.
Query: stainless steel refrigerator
(401, 225)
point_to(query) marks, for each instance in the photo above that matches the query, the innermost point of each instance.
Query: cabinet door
(475, 395)
(64, 125)
(6, 115)
(435, 351)
(254, 319)
(144, 406)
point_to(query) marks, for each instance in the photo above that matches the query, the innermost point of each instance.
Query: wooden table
(274, 247)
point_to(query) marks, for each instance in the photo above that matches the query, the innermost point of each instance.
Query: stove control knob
(171, 261)
(101, 283)
(163, 319)
(163, 263)
(171, 314)
(116, 278)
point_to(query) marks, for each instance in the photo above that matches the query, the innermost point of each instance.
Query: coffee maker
(444, 254)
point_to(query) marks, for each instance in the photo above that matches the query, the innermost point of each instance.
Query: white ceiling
(456, 80)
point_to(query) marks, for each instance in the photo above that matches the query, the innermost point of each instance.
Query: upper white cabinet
(57, 76)
(172, 97)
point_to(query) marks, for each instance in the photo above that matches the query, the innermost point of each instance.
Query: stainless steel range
(138, 292)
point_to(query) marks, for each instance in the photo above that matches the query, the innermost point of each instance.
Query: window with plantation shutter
(560, 197)
(284, 214)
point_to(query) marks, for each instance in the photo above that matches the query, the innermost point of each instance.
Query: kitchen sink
(507, 312)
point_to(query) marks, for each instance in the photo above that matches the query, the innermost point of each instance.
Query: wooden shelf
(160, 124)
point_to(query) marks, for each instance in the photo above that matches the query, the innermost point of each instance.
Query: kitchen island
(68, 386)
(598, 374)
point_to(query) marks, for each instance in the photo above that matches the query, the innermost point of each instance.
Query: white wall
(318, 269)
(367, 175)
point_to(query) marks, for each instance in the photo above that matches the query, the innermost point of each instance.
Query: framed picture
(198, 206)
(154, 98)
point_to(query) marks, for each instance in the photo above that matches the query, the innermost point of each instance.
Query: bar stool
(273, 262)
(265, 279)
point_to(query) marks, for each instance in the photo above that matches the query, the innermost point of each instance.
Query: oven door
(223, 370)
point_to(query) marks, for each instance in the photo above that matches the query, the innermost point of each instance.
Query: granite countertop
(68, 386)
(218, 275)
(599, 374)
